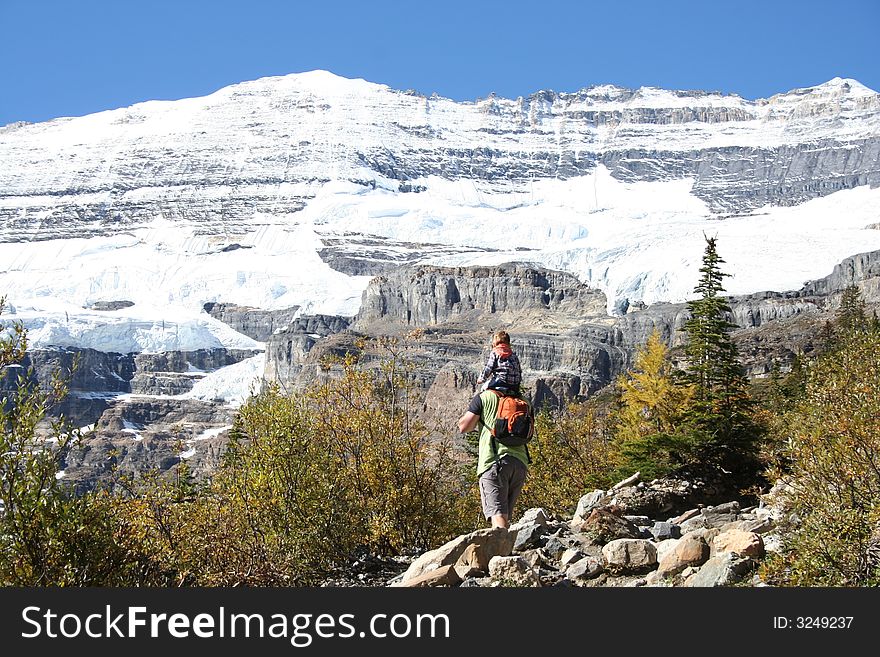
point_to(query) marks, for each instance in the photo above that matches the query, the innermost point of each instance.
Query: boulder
(570, 556)
(554, 548)
(662, 531)
(513, 571)
(529, 537)
(665, 547)
(659, 497)
(474, 549)
(746, 544)
(603, 526)
(629, 555)
(443, 576)
(586, 505)
(584, 569)
(722, 570)
(690, 550)
(533, 516)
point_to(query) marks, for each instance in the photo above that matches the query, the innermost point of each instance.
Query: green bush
(833, 438)
(571, 454)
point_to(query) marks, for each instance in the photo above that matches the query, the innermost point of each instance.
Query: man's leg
(500, 487)
(500, 520)
(493, 495)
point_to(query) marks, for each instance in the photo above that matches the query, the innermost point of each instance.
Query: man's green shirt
(486, 406)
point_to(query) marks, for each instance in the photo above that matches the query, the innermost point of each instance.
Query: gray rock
(629, 555)
(532, 516)
(253, 322)
(529, 537)
(662, 531)
(586, 505)
(723, 570)
(583, 569)
(429, 295)
(554, 548)
(570, 556)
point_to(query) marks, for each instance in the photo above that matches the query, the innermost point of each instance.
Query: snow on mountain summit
(256, 193)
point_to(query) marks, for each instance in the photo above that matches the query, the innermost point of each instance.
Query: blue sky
(74, 57)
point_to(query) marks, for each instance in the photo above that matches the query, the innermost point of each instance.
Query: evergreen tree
(720, 410)
(851, 316)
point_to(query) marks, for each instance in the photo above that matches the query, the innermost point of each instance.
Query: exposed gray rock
(529, 537)
(584, 569)
(137, 435)
(554, 548)
(253, 322)
(629, 555)
(722, 570)
(570, 556)
(427, 296)
(110, 305)
(586, 505)
(664, 530)
(531, 516)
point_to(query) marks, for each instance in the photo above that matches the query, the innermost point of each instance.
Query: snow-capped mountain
(292, 191)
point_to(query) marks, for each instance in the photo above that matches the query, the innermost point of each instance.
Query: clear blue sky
(74, 57)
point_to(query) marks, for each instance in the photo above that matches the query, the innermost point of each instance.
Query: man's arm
(468, 422)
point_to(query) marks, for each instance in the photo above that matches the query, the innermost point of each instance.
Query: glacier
(234, 197)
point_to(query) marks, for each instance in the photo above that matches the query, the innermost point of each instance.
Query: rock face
(567, 345)
(126, 402)
(253, 322)
(427, 296)
(138, 435)
(136, 165)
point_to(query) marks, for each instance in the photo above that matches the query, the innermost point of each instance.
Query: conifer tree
(852, 315)
(649, 423)
(652, 400)
(720, 407)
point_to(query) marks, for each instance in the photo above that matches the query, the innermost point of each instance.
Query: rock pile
(608, 542)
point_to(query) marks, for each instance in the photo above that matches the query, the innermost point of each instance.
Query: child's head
(500, 337)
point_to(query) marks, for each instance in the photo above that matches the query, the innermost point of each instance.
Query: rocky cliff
(568, 347)
(303, 131)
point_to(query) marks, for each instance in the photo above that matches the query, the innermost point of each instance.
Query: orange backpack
(514, 421)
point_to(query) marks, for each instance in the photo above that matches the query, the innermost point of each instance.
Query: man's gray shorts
(501, 485)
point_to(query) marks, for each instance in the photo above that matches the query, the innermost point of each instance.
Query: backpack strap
(493, 442)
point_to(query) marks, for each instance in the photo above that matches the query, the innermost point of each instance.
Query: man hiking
(501, 468)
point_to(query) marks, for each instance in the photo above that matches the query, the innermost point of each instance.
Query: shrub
(571, 454)
(833, 437)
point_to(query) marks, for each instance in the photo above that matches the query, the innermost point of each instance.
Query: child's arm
(491, 364)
